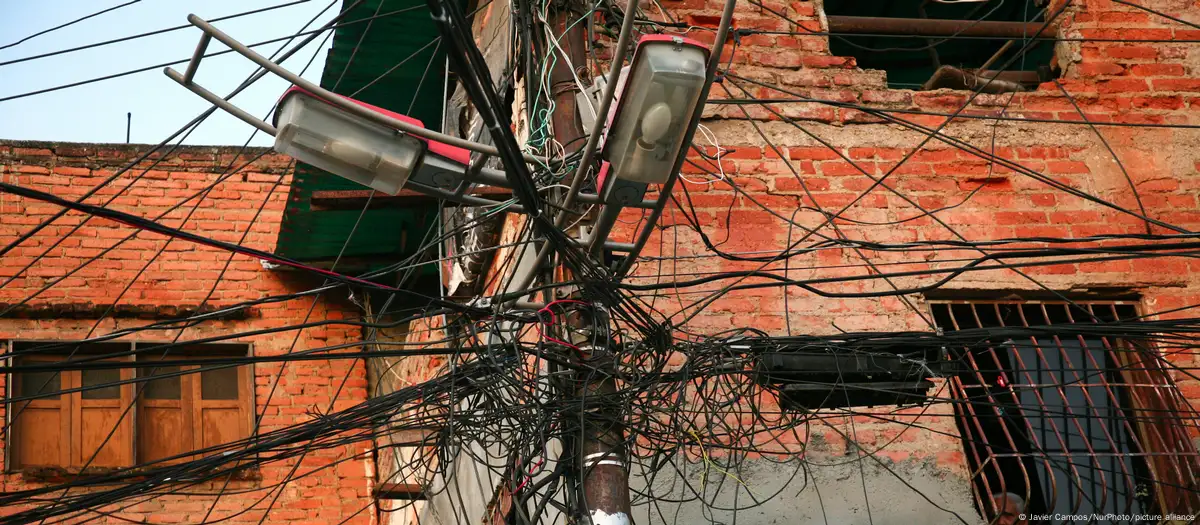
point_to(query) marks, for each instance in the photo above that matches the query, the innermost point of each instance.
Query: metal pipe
(592, 198)
(216, 100)
(955, 78)
(344, 103)
(488, 176)
(608, 245)
(618, 246)
(603, 226)
(610, 90)
(589, 198)
(468, 200)
(996, 56)
(872, 25)
(197, 56)
(714, 62)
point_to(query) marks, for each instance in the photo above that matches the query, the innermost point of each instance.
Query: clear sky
(96, 112)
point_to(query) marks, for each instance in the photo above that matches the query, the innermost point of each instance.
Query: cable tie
(603, 458)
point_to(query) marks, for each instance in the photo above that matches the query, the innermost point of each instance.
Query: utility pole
(600, 458)
(598, 485)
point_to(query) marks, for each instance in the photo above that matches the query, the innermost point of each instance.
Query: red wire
(529, 476)
(552, 303)
(554, 319)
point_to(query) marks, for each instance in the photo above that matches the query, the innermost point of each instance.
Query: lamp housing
(319, 133)
(655, 108)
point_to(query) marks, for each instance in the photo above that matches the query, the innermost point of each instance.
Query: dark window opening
(920, 45)
(1070, 424)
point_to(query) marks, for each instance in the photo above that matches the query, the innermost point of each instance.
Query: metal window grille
(1072, 424)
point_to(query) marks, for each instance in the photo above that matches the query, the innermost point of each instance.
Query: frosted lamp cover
(656, 107)
(336, 141)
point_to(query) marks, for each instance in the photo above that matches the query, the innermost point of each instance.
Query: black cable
(68, 24)
(871, 109)
(146, 34)
(932, 133)
(259, 73)
(149, 225)
(1137, 196)
(184, 61)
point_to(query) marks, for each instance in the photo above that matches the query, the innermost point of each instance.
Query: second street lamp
(655, 108)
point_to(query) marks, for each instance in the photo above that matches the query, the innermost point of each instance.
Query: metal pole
(600, 454)
(341, 102)
(216, 100)
(933, 27)
(610, 91)
(602, 460)
(128, 125)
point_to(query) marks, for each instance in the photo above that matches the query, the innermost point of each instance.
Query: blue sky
(96, 112)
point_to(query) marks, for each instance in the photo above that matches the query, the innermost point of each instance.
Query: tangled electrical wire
(515, 394)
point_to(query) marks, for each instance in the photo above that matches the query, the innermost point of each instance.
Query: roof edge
(54, 145)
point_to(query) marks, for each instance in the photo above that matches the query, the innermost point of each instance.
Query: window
(181, 413)
(103, 427)
(1071, 424)
(924, 44)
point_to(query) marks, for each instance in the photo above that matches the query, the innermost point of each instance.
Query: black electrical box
(811, 379)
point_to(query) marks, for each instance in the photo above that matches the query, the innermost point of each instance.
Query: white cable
(581, 216)
(571, 66)
(712, 139)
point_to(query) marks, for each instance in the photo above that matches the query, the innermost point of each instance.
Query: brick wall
(172, 278)
(794, 172)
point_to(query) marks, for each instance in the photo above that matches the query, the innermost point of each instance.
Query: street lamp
(655, 105)
(363, 143)
(370, 154)
(655, 108)
(316, 132)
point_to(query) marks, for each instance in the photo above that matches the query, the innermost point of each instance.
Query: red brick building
(80, 278)
(1115, 120)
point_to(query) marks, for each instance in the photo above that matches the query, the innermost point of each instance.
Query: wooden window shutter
(41, 427)
(90, 427)
(165, 415)
(222, 402)
(207, 406)
(102, 418)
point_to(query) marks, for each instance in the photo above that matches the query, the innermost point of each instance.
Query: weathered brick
(179, 278)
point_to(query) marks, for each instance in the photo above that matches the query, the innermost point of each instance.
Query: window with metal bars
(1069, 424)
